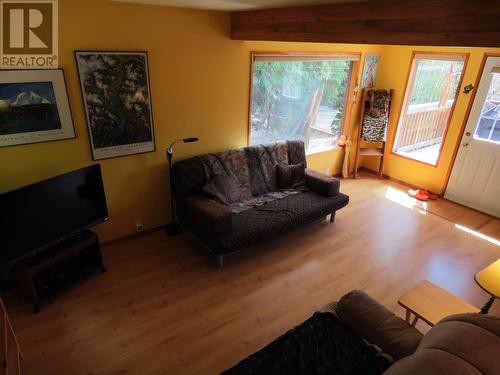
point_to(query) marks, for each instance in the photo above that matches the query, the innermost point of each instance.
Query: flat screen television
(38, 216)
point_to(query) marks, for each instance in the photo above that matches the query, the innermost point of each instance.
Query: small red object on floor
(430, 195)
(421, 195)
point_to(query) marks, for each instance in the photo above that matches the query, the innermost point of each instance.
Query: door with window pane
(300, 97)
(475, 177)
(428, 105)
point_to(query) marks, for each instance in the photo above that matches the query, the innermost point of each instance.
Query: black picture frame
(37, 117)
(110, 138)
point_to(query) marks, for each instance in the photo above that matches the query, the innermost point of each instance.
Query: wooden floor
(164, 308)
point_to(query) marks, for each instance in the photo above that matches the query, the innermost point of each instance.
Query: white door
(475, 177)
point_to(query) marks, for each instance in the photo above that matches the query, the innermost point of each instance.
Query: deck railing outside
(423, 125)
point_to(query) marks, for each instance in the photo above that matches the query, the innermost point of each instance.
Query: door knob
(467, 134)
(468, 88)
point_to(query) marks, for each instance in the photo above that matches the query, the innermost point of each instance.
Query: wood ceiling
(232, 5)
(467, 23)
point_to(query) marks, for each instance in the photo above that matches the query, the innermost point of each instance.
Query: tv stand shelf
(47, 274)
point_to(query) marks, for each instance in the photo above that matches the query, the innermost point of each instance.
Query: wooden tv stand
(47, 274)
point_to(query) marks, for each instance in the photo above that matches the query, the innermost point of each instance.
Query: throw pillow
(215, 189)
(291, 176)
(226, 189)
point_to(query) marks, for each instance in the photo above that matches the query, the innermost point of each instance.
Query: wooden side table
(430, 303)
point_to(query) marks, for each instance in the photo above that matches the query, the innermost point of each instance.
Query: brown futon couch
(234, 199)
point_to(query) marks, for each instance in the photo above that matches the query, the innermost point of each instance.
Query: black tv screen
(37, 216)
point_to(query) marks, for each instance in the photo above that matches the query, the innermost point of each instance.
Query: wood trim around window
(466, 119)
(249, 119)
(409, 76)
(305, 53)
(353, 81)
(351, 99)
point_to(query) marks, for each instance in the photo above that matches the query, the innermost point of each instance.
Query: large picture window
(300, 97)
(428, 105)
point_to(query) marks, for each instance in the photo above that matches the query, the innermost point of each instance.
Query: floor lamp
(174, 229)
(489, 280)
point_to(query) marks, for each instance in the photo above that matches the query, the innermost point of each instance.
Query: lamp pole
(486, 308)
(174, 228)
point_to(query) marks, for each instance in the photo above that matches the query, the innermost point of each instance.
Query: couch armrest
(321, 183)
(377, 325)
(212, 216)
(487, 322)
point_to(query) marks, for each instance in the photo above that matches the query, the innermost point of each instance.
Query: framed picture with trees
(117, 100)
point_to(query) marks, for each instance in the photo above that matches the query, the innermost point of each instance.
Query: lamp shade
(489, 279)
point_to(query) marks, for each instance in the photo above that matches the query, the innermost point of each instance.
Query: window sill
(333, 148)
(416, 160)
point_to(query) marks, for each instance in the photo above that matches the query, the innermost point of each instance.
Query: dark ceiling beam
(468, 23)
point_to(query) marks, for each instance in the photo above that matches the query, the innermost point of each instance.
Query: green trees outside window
(299, 100)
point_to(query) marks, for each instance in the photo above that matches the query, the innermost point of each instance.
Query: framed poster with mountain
(117, 100)
(34, 107)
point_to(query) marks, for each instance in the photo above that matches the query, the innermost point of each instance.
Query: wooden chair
(372, 150)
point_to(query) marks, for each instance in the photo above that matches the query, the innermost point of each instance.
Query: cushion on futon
(290, 176)
(272, 219)
(212, 216)
(226, 189)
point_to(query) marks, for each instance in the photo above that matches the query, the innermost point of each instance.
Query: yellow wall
(393, 73)
(200, 87)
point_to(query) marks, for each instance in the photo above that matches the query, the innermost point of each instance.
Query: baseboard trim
(472, 208)
(387, 177)
(364, 169)
(132, 236)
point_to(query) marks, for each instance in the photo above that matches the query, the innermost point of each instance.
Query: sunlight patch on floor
(478, 234)
(402, 198)
(438, 266)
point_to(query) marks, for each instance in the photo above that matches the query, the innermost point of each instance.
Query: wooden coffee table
(430, 303)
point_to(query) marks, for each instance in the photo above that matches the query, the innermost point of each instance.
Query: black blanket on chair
(319, 346)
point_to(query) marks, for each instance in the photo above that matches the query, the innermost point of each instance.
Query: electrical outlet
(327, 171)
(138, 225)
